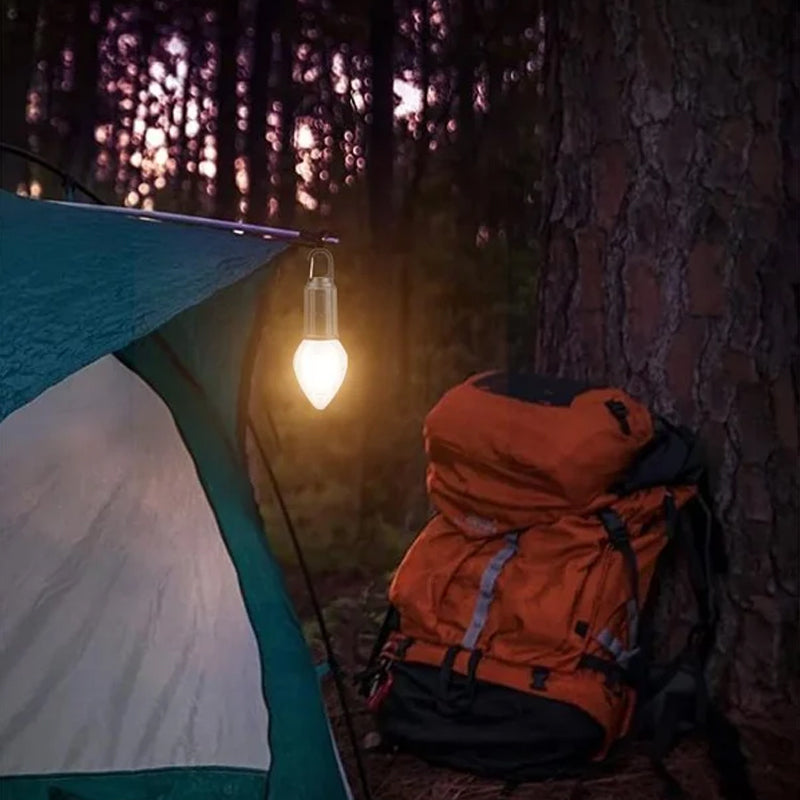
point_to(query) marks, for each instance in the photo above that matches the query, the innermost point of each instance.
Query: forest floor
(354, 603)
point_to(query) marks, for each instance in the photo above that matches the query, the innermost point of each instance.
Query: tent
(148, 650)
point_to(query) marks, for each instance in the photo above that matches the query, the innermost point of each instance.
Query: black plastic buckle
(540, 676)
(670, 514)
(401, 648)
(615, 528)
(613, 673)
(619, 411)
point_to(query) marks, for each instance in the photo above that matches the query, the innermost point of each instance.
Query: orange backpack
(519, 635)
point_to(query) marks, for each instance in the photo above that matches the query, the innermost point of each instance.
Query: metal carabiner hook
(320, 251)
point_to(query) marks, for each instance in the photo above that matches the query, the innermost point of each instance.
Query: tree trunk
(380, 142)
(672, 272)
(287, 158)
(182, 150)
(54, 28)
(380, 384)
(496, 23)
(258, 167)
(17, 66)
(382, 282)
(227, 194)
(191, 148)
(411, 199)
(339, 114)
(465, 117)
(83, 113)
(128, 177)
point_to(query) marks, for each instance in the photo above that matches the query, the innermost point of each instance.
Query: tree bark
(227, 193)
(258, 167)
(672, 271)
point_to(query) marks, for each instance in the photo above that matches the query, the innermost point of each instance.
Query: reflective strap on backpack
(620, 541)
(616, 648)
(486, 591)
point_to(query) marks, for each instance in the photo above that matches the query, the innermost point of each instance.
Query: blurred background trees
(410, 128)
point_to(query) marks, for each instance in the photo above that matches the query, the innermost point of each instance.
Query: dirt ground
(354, 603)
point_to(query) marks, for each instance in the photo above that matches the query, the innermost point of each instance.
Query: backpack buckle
(401, 648)
(620, 412)
(380, 689)
(616, 529)
(540, 676)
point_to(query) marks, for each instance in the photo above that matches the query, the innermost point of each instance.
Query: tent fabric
(212, 343)
(118, 592)
(79, 283)
(178, 306)
(298, 729)
(200, 783)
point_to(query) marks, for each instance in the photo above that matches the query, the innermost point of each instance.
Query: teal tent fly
(148, 649)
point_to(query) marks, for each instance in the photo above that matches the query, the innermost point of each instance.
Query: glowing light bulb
(320, 361)
(320, 366)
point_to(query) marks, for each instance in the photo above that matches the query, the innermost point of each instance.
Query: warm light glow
(320, 366)
(304, 136)
(410, 98)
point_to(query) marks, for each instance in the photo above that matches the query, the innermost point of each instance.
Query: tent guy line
(68, 182)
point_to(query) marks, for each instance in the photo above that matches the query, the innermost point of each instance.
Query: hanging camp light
(320, 361)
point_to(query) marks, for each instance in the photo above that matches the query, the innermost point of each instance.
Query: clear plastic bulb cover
(320, 366)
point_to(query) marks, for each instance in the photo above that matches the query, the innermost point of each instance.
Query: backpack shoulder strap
(678, 692)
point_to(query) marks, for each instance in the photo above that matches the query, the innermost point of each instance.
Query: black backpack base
(504, 734)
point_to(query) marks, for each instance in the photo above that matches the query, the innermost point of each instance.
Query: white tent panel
(124, 641)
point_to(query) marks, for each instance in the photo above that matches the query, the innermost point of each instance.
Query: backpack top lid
(509, 451)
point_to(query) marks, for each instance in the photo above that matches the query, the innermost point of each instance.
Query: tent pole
(281, 234)
(304, 238)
